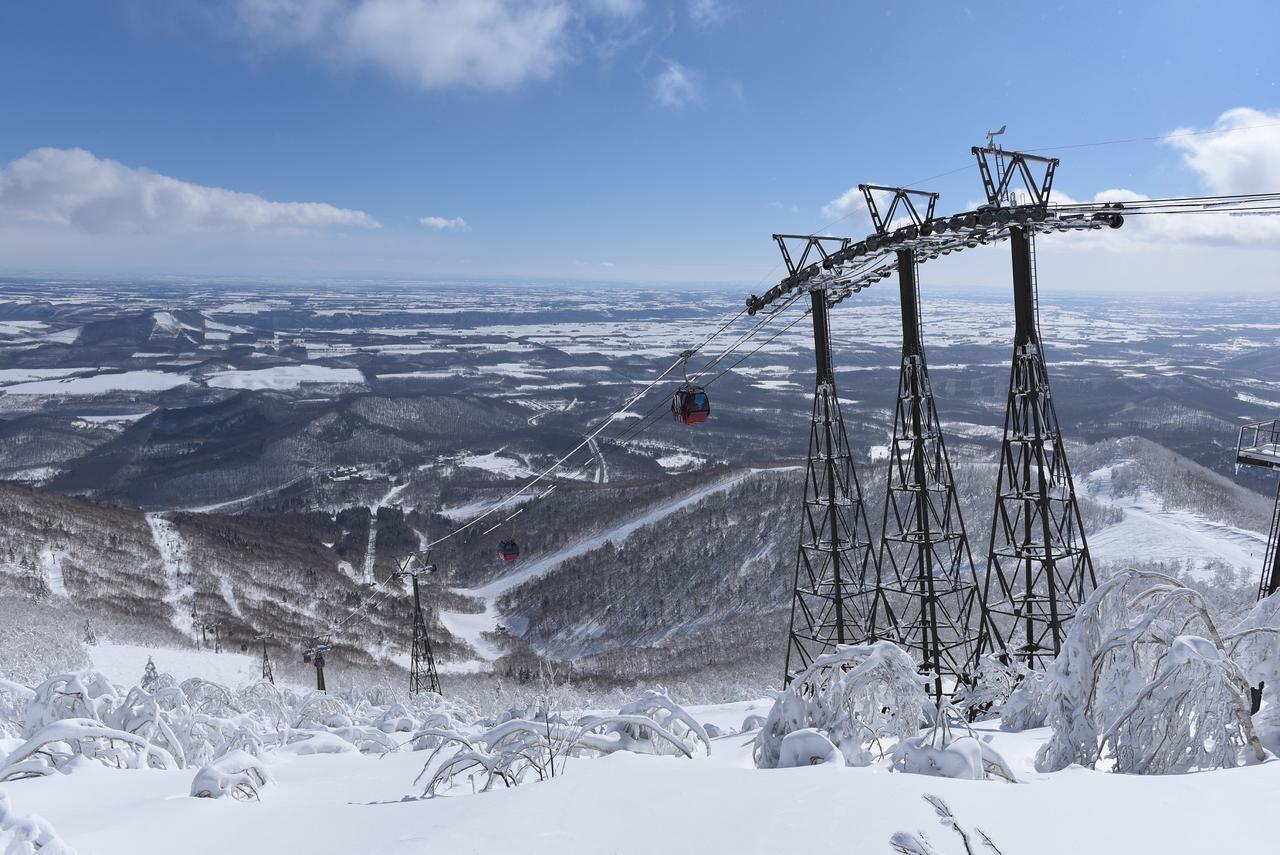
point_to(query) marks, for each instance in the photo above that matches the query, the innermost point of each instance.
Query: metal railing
(1261, 438)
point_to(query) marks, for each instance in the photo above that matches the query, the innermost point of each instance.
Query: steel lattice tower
(832, 595)
(267, 673)
(928, 600)
(1038, 566)
(422, 667)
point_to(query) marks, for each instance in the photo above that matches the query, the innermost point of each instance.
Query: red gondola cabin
(510, 550)
(691, 405)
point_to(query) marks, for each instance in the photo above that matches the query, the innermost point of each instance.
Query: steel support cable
(650, 416)
(382, 593)
(587, 438)
(650, 422)
(650, 419)
(628, 432)
(1171, 202)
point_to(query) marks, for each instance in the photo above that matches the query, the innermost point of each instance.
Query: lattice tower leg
(835, 565)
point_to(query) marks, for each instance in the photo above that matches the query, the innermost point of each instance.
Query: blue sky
(630, 140)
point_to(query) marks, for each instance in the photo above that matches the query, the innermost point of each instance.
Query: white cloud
(1239, 154)
(617, 8)
(676, 85)
(74, 187)
(443, 223)
(434, 44)
(851, 202)
(705, 13)
(851, 206)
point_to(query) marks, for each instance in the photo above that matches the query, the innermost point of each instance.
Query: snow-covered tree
(859, 697)
(1144, 677)
(149, 676)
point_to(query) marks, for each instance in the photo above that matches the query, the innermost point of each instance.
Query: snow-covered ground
(628, 804)
(124, 663)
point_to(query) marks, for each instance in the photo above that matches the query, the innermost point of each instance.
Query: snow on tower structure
(835, 573)
(928, 599)
(1259, 445)
(1038, 565)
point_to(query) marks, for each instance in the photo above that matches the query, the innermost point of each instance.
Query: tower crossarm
(901, 203)
(854, 265)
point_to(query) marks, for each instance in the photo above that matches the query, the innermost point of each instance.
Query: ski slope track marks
(175, 561)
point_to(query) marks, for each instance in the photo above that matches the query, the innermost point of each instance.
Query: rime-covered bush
(81, 716)
(1000, 679)
(517, 749)
(237, 775)
(859, 697)
(28, 835)
(906, 843)
(807, 747)
(1144, 679)
(58, 745)
(1254, 644)
(949, 748)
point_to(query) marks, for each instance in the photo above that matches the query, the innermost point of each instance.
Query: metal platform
(1259, 445)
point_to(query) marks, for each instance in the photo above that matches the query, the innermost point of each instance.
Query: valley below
(263, 460)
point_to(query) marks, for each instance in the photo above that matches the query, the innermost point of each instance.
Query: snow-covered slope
(1150, 531)
(629, 804)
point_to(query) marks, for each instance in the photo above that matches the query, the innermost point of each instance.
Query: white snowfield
(282, 377)
(97, 384)
(124, 663)
(631, 804)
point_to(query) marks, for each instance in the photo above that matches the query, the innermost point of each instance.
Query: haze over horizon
(611, 140)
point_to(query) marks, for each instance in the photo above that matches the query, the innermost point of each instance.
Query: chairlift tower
(1259, 445)
(422, 667)
(267, 672)
(928, 599)
(314, 655)
(1038, 565)
(836, 573)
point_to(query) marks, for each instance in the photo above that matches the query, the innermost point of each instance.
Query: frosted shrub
(1144, 674)
(27, 836)
(55, 747)
(999, 680)
(237, 775)
(807, 747)
(1255, 645)
(950, 749)
(858, 697)
(14, 698)
(517, 749)
(1192, 715)
(83, 694)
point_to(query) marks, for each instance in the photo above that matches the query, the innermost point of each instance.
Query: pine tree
(150, 677)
